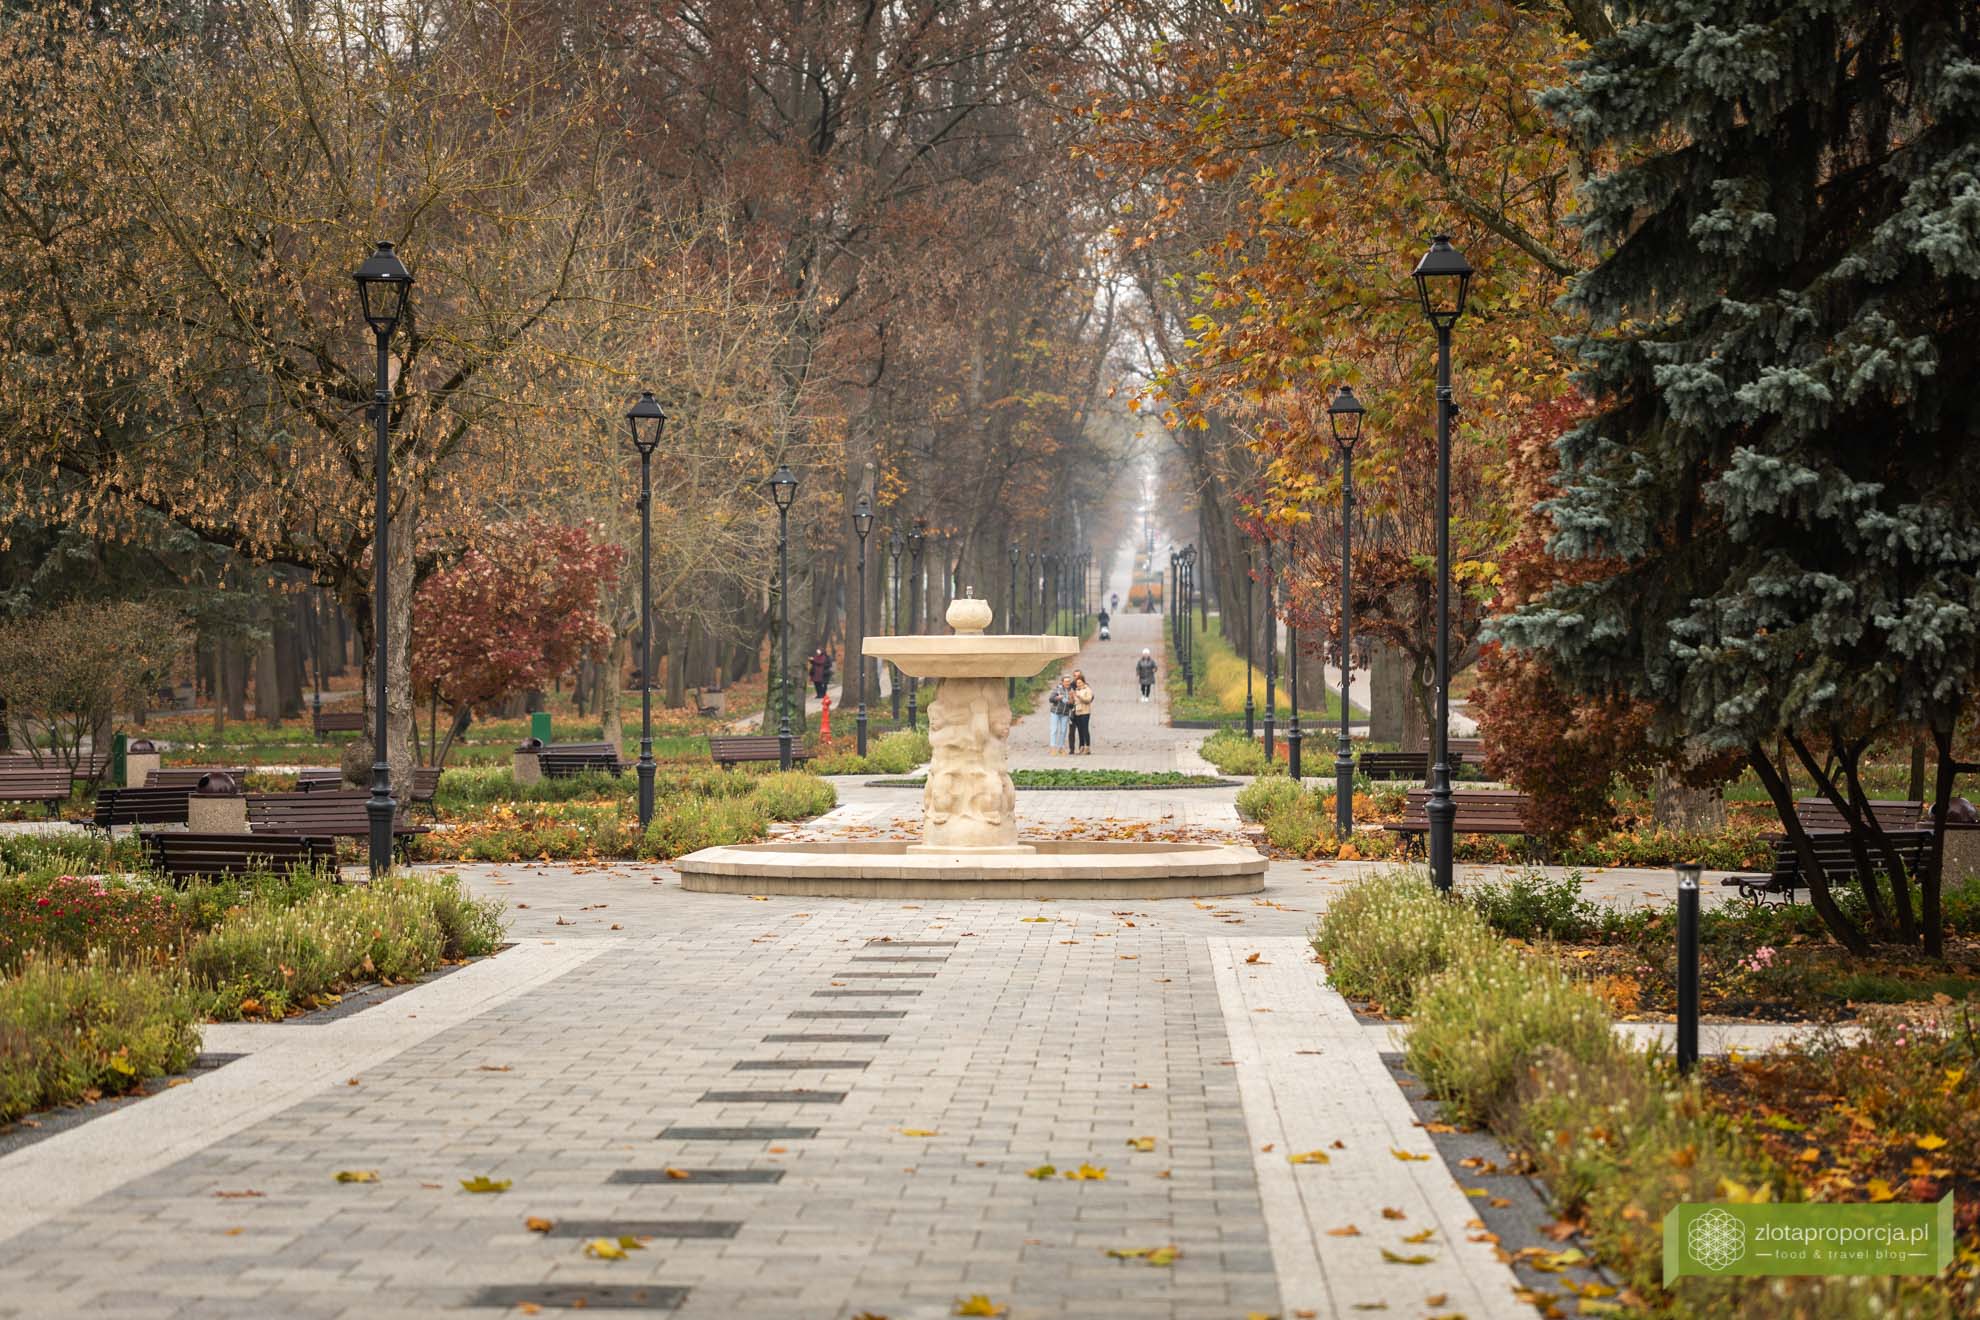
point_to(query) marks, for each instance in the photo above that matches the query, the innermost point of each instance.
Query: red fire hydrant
(825, 719)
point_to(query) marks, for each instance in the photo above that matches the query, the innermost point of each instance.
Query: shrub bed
(73, 1030)
(895, 753)
(1389, 931)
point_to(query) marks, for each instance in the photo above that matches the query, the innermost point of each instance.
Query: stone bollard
(140, 759)
(1962, 856)
(524, 765)
(217, 806)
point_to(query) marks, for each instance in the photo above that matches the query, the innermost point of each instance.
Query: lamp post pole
(1345, 413)
(894, 554)
(1293, 734)
(1443, 278)
(1188, 620)
(1250, 730)
(1011, 622)
(915, 538)
(1271, 652)
(862, 524)
(783, 489)
(1031, 590)
(383, 285)
(647, 420)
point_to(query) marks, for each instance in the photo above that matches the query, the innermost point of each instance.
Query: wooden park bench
(753, 747)
(47, 785)
(150, 805)
(188, 776)
(1471, 749)
(1400, 765)
(339, 813)
(562, 760)
(183, 855)
(710, 701)
(1829, 835)
(1837, 856)
(90, 767)
(323, 721)
(1479, 811)
(425, 781)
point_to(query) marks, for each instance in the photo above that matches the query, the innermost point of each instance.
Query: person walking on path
(1144, 669)
(1105, 619)
(820, 669)
(1059, 702)
(1082, 715)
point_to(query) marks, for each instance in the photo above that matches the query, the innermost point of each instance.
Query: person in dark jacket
(820, 669)
(1144, 669)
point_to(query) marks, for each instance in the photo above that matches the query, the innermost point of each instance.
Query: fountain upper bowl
(971, 655)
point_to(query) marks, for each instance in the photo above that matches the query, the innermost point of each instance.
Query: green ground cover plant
(894, 753)
(1389, 931)
(79, 1029)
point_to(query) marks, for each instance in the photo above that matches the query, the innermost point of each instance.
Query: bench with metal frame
(752, 747)
(182, 855)
(1400, 765)
(339, 812)
(1479, 811)
(48, 785)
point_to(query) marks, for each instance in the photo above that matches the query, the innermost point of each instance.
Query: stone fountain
(969, 832)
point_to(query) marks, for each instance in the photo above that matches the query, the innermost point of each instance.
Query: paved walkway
(805, 1107)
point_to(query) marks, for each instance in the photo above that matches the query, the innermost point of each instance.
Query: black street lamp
(647, 420)
(383, 284)
(1174, 596)
(916, 536)
(1345, 413)
(1271, 652)
(1250, 729)
(1443, 282)
(783, 490)
(862, 524)
(1188, 624)
(1011, 623)
(1032, 595)
(894, 554)
(1293, 735)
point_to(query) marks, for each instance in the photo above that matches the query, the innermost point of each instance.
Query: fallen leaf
(977, 1303)
(352, 1081)
(1397, 1258)
(234, 1232)
(1266, 1149)
(234, 1196)
(1345, 1230)
(1390, 1212)
(357, 1175)
(604, 1249)
(678, 1174)
(1407, 1154)
(1042, 1172)
(536, 1224)
(1418, 1239)
(481, 1182)
(1086, 1173)
(1308, 1157)
(497, 1067)
(1142, 1144)
(1932, 1141)
(1252, 959)
(919, 1132)
(1164, 1256)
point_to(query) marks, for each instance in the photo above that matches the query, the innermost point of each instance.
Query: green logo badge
(1728, 1238)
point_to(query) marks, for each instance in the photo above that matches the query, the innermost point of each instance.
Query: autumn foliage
(517, 610)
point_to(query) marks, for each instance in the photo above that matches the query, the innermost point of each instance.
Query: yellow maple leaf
(483, 1183)
(357, 1176)
(1418, 1239)
(1087, 1173)
(1142, 1144)
(978, 1304)
(1931, 1141)
(1308, 1157)
(1407, 1154)
(536, 1224)
(1881, 1190)
(1043, 1171)
(604, 1249)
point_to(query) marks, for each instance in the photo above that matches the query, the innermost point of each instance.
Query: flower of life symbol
(1716, 1239)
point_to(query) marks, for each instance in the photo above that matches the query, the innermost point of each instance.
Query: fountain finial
(968, 615)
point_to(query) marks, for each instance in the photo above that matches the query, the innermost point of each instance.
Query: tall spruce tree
(1783, 474)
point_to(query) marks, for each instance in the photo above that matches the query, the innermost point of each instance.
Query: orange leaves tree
(1283, 172)
(518, 609)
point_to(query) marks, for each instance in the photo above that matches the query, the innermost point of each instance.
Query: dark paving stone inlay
(581, 1296)
(794, 1065)
(858, 994)
(825, 1038)
(911, 944)
(849, 1013)
(797, 1097)
(735, 1133)
(723, 1176)
(644, 1228)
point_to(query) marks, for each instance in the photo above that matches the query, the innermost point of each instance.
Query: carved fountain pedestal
(969, 832)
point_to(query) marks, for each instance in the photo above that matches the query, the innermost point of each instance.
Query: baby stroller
(1105, 634)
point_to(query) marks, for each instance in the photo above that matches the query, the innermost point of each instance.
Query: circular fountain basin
(970, 655)
(1071, 868)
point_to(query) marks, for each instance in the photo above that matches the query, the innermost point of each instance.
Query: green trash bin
(539, 726)
(119, 744)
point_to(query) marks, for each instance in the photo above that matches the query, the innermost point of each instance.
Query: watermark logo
(1732, 1238)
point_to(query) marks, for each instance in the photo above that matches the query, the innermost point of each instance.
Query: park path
(857, 1091)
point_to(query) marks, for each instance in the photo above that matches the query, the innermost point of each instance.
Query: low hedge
(1389, 931)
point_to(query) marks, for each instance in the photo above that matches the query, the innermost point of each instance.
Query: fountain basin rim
(971, 655)
(1054, 868)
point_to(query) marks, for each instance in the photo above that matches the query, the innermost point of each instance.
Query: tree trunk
(678, 651)
(398, 713)
(267, 694)
(234, 677)
(290, 637)
(1675, 806)
(611, 692)
(1388, 684)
